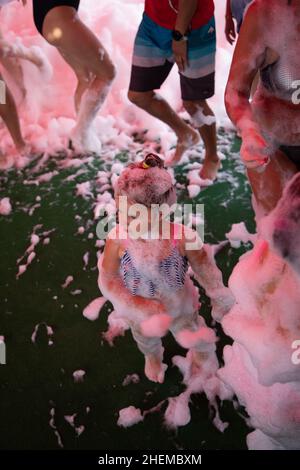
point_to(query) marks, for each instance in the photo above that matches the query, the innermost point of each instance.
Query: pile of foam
(239, 234)
(5, 206)
(49, 332)
(92, 311)
(48, 116)
(129, 416)
(260, 366)
(198, 379)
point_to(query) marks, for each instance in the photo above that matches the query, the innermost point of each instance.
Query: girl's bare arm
(208, 275)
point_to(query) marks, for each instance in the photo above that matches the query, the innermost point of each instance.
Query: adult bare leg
(204, 120)
(94, 70)
(9, 114)
(155, 105)
(153, 351)
(10, 56)
(18, 51)
(15, 71)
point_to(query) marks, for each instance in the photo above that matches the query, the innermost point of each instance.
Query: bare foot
(155, 368)
(23, 155)
(210, 168)
(21, 146)
(23, 149)
(84, 141)
(18, 156)
(186, 141)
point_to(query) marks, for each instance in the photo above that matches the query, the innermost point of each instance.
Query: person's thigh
(145, 79)
(198, 79)
(152, 57)
(78, 45)
(42, 8)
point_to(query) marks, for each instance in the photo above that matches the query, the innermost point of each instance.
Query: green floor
(38, 377)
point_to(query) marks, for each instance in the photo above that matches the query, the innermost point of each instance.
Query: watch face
(177, 36)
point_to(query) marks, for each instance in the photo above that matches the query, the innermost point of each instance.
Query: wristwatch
(177, 36)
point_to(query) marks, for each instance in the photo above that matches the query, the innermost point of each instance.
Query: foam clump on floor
(78, 375)
(259, 366)
(92, 311)
(5, 206)
(129, 416)
(198, 378)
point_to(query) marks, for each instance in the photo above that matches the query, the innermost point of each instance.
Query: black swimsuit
(292, 152)
(42, 7)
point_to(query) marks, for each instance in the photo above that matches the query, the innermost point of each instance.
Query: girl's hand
(254, 150)
(230, 32)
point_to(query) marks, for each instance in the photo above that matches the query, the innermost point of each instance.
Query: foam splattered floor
(48, 338)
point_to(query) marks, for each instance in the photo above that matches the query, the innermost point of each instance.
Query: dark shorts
(153, 60)
(42, 7)
(238, 8)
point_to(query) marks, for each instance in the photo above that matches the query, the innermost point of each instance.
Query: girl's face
(137, 219)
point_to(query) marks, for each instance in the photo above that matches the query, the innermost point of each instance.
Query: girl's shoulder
(117, 240)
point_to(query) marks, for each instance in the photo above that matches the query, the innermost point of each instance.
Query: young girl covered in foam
(143, 272)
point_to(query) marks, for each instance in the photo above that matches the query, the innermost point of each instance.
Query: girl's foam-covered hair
(147, 182)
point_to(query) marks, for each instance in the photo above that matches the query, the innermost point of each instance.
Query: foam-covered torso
(259, 368)
(275, 103)
(153, 268)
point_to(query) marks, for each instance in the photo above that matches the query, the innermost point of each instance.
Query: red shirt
(164, 15)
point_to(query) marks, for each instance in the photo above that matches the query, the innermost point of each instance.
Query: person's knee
(112, 72)
(103, 78)
(147, 345)
(140, 99)
(106, 72)
(192, 107)
(109, 72)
